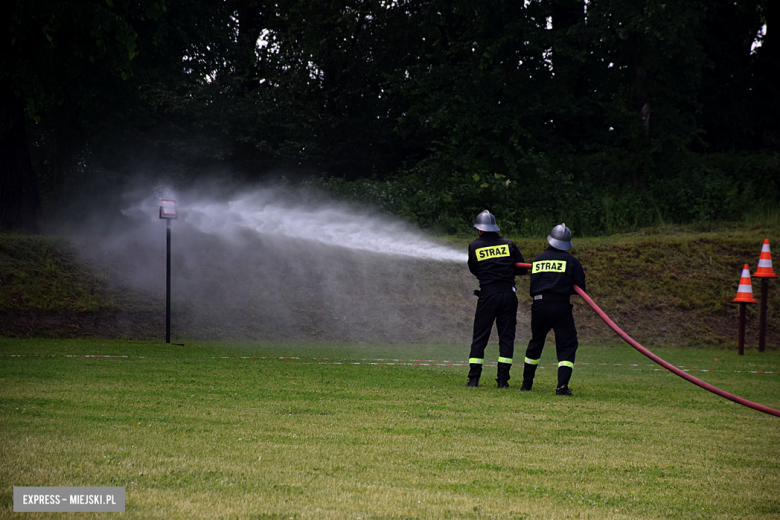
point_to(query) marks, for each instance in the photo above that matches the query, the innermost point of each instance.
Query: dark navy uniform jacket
(556, 271)
(492, 260)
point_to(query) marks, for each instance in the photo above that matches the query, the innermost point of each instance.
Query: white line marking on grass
(395, 362)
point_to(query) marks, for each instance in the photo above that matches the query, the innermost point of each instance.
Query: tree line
(606, 113)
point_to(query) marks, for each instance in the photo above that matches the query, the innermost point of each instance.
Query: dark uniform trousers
(501, 308)
(556, 316)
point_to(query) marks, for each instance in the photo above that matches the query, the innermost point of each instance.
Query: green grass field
(232, 431)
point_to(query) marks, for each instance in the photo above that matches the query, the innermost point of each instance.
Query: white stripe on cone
(745, 288)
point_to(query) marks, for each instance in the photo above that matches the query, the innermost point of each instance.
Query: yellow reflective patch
(486, 253)
(549, 266)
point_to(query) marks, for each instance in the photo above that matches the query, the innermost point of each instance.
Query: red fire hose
(698, 382)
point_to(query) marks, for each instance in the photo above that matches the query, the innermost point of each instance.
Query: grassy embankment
(192, 434)
(671, 285)
(40, 273)
(666, 286)
(45, 291)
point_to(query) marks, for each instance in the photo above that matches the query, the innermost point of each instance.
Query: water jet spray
(276, 212)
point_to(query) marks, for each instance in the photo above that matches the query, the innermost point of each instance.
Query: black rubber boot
(475, 370)
(473, 382)
(503, 376)
(563, 390)
(564, 376)
(529, 372)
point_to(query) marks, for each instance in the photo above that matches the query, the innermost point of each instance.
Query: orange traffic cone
(745, 289)
(765, 263)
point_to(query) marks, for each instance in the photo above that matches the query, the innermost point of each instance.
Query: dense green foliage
(711, 188)
(607, 114)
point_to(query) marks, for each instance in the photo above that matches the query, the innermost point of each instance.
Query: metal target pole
(168, 212)
(168, 285)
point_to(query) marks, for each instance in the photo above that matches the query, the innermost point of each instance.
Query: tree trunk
(640, 91)
(568, 64)
(19, 198)
(767, 79)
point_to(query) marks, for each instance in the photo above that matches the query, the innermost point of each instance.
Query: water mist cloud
(272, 263)
(278, 213)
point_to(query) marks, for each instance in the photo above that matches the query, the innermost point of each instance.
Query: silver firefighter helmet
(560, 237)
(485, 221)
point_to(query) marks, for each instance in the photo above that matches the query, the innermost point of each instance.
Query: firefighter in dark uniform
(492, 260)
(553, 276)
